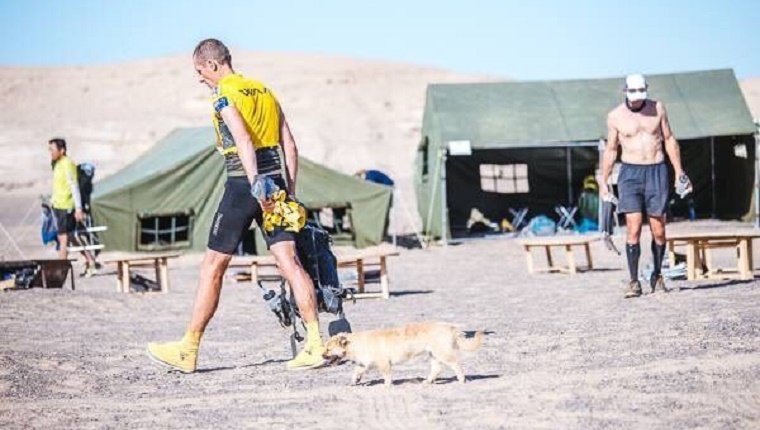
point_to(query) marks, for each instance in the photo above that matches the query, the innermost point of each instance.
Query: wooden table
(125, 263)
(355, 258)
(698, 251)
(567, 242)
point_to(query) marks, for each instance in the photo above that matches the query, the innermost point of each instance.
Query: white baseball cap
(635, 88)
(635, 81)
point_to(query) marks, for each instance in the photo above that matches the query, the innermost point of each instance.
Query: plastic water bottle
(684, 186)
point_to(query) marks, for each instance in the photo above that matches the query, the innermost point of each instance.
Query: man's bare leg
(209, 289)
(657, 226)
(306, 299)
(88, 256)
(633, 223)
(63, 252)
(63, 243)
(291, 269)
(183, 355)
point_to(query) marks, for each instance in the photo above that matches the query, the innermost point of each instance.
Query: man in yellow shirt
(250, 126)
(66, 201)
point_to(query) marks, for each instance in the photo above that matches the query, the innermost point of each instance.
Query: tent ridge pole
(757, 178)
(569, 176)
(444, 223)
(712, 172)
(600, 147)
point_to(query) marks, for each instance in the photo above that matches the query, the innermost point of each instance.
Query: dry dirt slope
(345, 113)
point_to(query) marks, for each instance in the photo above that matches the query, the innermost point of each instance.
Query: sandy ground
(561, 352)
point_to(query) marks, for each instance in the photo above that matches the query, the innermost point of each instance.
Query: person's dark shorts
(643, 188)
(64, 220)
(237, 210)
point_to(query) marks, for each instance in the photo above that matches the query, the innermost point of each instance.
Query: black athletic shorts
(643, 188)
(237, 210)
(64, 220)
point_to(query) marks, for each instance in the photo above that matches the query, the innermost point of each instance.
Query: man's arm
(610, 155)
(76, 194)
(290, 151)
(671, 145)
(243, 142)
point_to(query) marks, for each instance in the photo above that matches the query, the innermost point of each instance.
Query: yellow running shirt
(64, 174)
(260, 110)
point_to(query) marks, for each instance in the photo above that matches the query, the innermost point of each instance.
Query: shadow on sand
(263, 363)
(410, 292)
(439, 381)
(728, 283)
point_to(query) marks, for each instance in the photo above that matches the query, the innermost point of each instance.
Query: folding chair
(518, 218)
(566, 217)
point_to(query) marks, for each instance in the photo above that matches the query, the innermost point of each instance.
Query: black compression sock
(658, 253)
(633, 251)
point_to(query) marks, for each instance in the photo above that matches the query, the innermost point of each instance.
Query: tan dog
(383, 348)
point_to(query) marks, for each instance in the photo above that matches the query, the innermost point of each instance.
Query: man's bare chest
(631, 125)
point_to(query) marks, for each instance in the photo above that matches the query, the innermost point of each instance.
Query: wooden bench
(698, 251)
(126, 262)
(52, 272)
(567, 242)
(356, 258)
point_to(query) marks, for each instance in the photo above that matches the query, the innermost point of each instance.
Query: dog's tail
(471, 343)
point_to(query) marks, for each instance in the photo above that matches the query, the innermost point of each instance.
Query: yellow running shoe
(181, 355)
(309, 358)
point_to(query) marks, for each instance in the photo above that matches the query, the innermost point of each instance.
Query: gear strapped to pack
(313, 247)
(286, 215)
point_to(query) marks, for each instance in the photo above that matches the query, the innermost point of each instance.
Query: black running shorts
(237, 210)
(64, 220)
(643, 188)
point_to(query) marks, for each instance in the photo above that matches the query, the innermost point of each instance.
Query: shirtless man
(640, 126)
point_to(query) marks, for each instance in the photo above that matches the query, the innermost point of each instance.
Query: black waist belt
(268, 160)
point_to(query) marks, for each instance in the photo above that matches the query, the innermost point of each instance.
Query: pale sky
(523, 40)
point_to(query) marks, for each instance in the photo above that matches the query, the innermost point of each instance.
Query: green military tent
(496, 146)
(166, 199)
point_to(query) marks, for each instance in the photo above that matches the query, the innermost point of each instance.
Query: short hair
(59, 143)
(213, 49)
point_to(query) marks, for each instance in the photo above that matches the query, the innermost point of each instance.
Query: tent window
(164, 230)
(504, 178)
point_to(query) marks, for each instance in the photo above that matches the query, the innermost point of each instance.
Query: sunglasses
(636, 90)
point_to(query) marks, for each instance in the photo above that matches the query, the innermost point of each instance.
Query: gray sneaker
(634, 289)
(90, 271)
